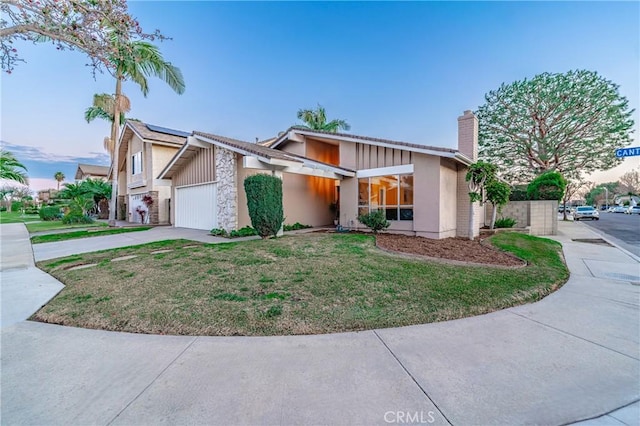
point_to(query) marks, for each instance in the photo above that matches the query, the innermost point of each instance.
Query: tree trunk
(493, 216)
(115, 127)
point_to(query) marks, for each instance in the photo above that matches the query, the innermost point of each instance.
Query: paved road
(625, 228)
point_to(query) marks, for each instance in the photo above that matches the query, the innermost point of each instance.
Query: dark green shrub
(264, 201)
(3, 209)
(76, 216)
(505, 222)
(16, 206)
(547, 186)
(376, 221)
(219, 232)
(247, 231)
(296, 226)
(518, 193)
(50, 213)
(31, 210)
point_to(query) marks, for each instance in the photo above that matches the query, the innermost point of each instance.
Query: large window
(393, 194)
(136, 163)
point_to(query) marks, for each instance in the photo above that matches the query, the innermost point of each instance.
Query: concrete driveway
(574, 355)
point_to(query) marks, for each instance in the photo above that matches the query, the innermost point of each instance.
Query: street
(624, 228)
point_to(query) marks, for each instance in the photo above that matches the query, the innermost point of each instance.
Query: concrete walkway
(572, 356)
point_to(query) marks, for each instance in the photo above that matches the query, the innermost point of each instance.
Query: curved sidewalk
(572, 356)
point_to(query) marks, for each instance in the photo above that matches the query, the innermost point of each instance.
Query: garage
(196, 206)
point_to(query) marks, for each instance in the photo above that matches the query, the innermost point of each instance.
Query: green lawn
(17, 217)
(57, 224)
(37, 239)
(303, 284)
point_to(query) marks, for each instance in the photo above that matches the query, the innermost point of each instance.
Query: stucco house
(143, 151)
(421, 188)
(85, 171)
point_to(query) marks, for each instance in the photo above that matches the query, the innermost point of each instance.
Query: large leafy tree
(316, 119)
(11, 168)
(103, 29)
(630, 183)
(135, 63)
(570, 123)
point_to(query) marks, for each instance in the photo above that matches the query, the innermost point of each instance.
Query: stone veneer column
(226, 176)
(154, 215)
(121, 212)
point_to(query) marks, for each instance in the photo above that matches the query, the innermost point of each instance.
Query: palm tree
(103, 107)
(135, 63)
(10, 168)
(59, 176)
(317, 120)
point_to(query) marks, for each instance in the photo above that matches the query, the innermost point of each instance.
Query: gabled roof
(262, 153)
(148, 133)
(92, 170)
(425, 149)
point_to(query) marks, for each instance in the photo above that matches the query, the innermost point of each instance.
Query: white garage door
(196, 206)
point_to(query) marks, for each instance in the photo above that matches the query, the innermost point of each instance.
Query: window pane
(392, 213)
(363, 192)
(389, 190)
(406, 190)
(406, 214)
(375, 192)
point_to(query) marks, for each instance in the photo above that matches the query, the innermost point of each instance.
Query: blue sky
(400, 70)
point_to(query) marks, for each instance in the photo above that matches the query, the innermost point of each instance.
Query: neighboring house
(143, 151)
(422, 189)
(92, 171)
(46, 195)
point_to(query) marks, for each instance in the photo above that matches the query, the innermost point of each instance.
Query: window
(136, 163)
(393, 194)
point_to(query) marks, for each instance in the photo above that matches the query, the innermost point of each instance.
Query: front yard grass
(17, 217)
(50, 225)
(49, 238)
(303, 284)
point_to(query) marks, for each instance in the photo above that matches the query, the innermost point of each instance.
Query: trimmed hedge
(547, 186)
(264, 201)
(50, 213)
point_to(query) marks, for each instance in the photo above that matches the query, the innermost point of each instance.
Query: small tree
(547, 186)
(264, 201)
(59, 177)
(497, 193)
(478, 176)
(376, 221)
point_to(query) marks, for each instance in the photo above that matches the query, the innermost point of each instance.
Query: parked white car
(633, 210)
(619, 209)
(586, 212)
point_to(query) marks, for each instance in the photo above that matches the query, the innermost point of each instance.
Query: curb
(608, 238)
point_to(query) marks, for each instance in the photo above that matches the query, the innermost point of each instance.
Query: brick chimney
(468, 135)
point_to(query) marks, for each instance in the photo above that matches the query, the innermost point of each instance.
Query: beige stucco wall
(349, 202)
(426, 196)
(162, 155)
(293, 147)
(448, 198)
(136, 145)
(347, 152)
(306, 199)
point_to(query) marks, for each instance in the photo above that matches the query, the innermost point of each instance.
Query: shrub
(547, 186)
(505, 222)
(219, 232)
(247, 231)
(296, 226)
(16, 206)
(76, 216)
(376, 221)
(3, 209)
(50, 213)
(264, 201)
(519, 193)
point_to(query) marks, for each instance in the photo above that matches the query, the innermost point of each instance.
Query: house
(422, 189)
(143, 151)
(92, 171)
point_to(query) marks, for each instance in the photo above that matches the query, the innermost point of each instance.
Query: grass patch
(325, 283)
(37, 239)
(57, 224)
(17, 217)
